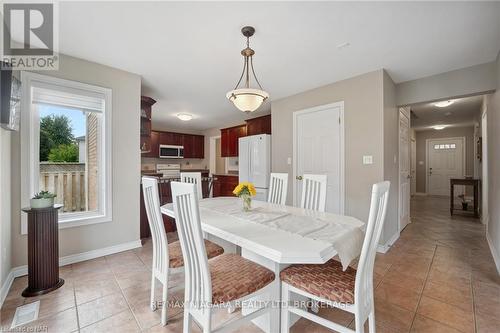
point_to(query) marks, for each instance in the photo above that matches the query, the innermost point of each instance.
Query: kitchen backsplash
(186, 163)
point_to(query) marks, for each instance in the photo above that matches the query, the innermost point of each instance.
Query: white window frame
(30, 152)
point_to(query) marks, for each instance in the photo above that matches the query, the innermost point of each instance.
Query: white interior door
(445, 160)
(318, 149)
(413, 166)
(404, 170)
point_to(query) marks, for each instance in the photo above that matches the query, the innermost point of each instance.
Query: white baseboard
(6, 287)
(494, 252)
(71, 259)
(420, 194)
(383, 248)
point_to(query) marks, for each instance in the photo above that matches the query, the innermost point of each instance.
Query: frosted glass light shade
(247, 99)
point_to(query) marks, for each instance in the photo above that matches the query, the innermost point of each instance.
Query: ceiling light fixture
(439, 127)
(184, 116)
(247, 99)
(444, 104)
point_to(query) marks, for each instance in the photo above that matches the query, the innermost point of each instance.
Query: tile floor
(438, 277)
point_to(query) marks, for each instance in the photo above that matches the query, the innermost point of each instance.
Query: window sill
(71, 222)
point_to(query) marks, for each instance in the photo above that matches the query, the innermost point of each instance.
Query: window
(445, 146)
(68, 148)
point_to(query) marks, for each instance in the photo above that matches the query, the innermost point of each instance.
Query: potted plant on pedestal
(465, 203)
(43, 199)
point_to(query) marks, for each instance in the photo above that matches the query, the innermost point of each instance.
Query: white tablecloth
(344, 233)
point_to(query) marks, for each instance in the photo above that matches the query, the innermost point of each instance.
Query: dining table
(277, 236)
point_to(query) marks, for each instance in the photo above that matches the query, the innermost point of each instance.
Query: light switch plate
(289, 161)
(368, 159)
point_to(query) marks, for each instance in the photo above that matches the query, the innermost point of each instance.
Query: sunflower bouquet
(245, 191)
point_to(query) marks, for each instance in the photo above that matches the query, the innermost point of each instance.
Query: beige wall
(391, 158)
(364, 122)
(472, 80)
(5, 202)
(126, 89)
(422, 136)
(493, 114)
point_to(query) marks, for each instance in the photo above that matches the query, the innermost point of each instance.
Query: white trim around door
(427, 158)
(341, 149)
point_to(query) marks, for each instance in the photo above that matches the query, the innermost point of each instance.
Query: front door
(445, 161)
(404, 170)
(318, 149)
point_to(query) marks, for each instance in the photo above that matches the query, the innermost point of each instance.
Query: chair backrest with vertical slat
(314, 192)
(364, 275)
(193, 178)
(198, 286)
(278, 187)
(155, 220)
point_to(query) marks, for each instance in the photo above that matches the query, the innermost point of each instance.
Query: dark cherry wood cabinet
(259, 125)
(146, 105)
(154, 146)
(223, 186)
(229, 140)
(194, 146)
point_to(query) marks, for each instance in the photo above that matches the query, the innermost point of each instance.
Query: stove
(169, 170)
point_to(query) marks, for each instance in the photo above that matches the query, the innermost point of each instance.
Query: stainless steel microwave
(168, 151)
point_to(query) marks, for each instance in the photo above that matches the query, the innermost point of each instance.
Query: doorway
(404, 168)
(484, 168)
(217, 163)
(318, 148)
(446, 160)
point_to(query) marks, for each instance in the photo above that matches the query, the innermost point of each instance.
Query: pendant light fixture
(247, 99)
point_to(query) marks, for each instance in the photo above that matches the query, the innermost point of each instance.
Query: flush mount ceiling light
(444, 104)
(184, 116)
(439, 127)
(247, 99)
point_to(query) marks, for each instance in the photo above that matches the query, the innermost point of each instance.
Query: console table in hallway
(475, 183)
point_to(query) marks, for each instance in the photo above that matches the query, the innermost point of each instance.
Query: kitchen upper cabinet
(229, 140)
(194, 145)
(145, 129)
(260, 125)
(170, 138)
(154, 150)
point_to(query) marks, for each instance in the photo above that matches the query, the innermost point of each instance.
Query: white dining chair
(220, 282)
(167, 258)
(278, 186)
(314, 192)
(193, 178)
(350, 290)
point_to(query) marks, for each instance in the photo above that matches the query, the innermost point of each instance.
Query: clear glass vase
(247, 202)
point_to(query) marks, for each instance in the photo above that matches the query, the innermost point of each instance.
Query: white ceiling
(188, 53)
(463, 111)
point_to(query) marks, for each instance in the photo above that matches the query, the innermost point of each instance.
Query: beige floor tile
(487, 323)
(55, 301)
(61, 322)
(392, 316)
(101, 308)
(400, 296)
(422, 324)
(87, 291)
(449, 294)
(175, 325)
(404, 281)
(130, 279)
(123, 322)
(447, 314)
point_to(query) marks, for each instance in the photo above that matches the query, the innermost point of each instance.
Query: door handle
(298, 177)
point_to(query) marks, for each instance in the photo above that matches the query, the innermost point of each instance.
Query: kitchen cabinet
(154, 145)
(194, 146)
(259, 125)
(145, 129)
(170, 138)
(223, 185)
(229, 140)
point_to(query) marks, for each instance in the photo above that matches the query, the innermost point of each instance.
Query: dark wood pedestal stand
(43, 251)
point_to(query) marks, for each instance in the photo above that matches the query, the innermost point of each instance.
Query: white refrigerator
(254, 161)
